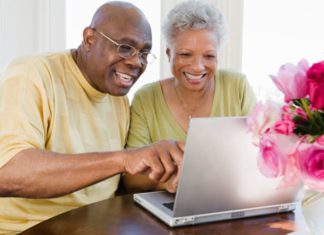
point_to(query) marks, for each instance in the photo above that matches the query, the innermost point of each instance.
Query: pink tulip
(292, 81)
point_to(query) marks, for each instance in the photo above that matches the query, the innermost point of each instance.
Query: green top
(152, 120)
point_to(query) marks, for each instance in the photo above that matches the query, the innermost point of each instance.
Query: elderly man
(64, 120)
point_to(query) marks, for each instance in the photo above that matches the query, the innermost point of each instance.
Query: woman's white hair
(194, 14)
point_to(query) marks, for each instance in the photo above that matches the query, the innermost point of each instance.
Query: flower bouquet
(290, 136)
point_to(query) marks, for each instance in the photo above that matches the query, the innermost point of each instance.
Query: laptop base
(149, 202)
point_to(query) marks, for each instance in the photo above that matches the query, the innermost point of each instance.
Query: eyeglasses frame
(136, 51)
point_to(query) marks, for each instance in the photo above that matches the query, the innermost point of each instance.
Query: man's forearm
(35, 173)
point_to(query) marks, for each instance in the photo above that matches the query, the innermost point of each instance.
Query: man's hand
(160, 161)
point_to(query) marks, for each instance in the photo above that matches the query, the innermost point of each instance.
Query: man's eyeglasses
(126, 51)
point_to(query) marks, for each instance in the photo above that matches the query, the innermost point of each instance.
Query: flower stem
(307, 110)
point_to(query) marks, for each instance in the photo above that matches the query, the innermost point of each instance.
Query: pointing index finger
(177, 152)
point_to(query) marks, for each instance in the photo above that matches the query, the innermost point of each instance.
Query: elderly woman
(194, 32)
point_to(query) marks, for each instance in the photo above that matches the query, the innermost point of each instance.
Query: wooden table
(121, 215)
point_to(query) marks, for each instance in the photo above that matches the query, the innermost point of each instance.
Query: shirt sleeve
(24, 112)
(138, 134)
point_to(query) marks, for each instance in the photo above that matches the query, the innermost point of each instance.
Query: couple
(64, 117)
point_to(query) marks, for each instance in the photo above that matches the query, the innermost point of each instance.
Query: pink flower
(311, 160)
(292, 174)
(315, 76)
(262, 117)
(291, 138)
(316, 71)
(274, 151)
(285, 127)
(320, 139)
(316, 91)
(286, 108)
(287, 113)
(300, 112)
(291, 80)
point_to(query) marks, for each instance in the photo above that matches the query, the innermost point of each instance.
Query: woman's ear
(167, 51)
(88, 38)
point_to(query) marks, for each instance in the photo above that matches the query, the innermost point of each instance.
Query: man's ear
(88, 38)
(167, 51)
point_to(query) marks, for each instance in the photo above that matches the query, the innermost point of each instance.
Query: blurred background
(262, 34)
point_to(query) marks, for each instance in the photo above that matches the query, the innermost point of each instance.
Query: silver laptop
(219, 179)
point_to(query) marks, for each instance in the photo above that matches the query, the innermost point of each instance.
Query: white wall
(231, 53)
(278, 32)
(18, 20)
(29, 26)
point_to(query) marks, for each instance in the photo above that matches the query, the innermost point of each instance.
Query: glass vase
(313, 211)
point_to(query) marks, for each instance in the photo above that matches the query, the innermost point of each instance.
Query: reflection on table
(121, 215)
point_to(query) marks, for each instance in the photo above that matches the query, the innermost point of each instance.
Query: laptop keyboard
(169, 205)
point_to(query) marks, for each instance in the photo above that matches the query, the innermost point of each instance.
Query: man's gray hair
(194, 14)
